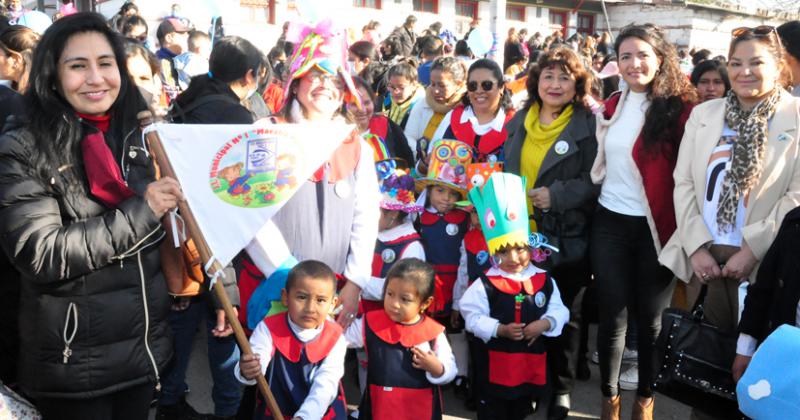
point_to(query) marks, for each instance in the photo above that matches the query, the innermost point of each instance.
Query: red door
(559, 18)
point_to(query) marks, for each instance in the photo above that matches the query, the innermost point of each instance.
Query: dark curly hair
(668, 92)
(569, 62)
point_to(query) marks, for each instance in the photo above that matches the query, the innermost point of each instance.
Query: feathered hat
(397, 186)
(322, 47)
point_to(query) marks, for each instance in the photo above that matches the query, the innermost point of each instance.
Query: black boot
(559, 407)
(180, 411)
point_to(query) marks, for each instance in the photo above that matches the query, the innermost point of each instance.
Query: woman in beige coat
(737, 175)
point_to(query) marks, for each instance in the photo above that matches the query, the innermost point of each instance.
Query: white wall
(686, 27)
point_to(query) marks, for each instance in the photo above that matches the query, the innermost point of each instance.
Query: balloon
(35, 20)
(480, 41)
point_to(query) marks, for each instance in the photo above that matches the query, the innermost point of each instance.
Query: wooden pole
(160, 156)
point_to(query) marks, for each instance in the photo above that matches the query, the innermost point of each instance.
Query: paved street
(585, 398)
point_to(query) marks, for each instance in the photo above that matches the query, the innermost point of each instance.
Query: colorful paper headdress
(502, 211)
(397, 187)
(379, 150)
(448, 166)
(322, 47)
(477, 176)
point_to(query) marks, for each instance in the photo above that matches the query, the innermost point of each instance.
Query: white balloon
(35, 20)
(480, 41)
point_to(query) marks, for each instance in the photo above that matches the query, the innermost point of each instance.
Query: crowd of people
(479, 216)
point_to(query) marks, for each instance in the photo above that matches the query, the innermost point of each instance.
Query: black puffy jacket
(94, 304)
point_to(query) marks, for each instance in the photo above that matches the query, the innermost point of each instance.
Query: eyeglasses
(486, 85)
(762, 31)
(321, 78)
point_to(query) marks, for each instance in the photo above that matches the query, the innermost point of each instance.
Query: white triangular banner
(236, 177)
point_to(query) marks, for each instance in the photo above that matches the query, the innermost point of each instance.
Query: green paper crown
(502, 210)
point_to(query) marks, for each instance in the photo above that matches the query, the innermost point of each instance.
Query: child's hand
(427, 361)
(512, 331)
(455, 319)
(533, 330)
(250, 366)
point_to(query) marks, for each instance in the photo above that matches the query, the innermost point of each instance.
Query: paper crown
(322, 47)
(502, 211)
(397, 187)
(448, 166)
(477, 175)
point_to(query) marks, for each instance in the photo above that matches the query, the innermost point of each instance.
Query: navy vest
(289, 371)
(396, 389)
(388, 253)
(511, 369)
(441, 238)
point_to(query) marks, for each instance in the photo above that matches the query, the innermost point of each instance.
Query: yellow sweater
(538, 141)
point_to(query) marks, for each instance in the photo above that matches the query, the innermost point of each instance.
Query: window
(258, 11)
(430, 6)
(585, 23)
(467, 8)
(559, 19)
(374, 4)
(515, 12)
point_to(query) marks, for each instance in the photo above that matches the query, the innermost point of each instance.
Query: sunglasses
(486, 85)
(762, 31)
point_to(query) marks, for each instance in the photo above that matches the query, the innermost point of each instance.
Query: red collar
(513, 287)
(474, 241)
(284, 340)
(490, 141)
(408, 335)
(405, 238)
(379, 126)
(101, 123)
(455, 216)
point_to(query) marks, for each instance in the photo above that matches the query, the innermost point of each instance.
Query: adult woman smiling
(480, 119)
(638, 137)
(551, 142)
(79, 217)
(737, 175)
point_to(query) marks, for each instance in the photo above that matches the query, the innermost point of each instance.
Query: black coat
(573, 195)
(772, 300)
(91, 280)
(407, 39)
(213, 103)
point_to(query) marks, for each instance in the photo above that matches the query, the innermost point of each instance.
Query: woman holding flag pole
(80, 216)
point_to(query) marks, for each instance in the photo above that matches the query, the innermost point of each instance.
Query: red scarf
(104, 175)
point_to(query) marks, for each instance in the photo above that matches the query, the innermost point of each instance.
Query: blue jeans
(223, 354)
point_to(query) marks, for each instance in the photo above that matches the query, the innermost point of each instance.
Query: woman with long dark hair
(80, 218)
(638, 136)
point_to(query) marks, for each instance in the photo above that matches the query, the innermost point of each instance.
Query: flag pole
(157, 149)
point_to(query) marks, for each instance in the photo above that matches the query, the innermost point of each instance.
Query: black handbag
(694, 362)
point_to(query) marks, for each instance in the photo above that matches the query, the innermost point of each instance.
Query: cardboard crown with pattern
(502, 211)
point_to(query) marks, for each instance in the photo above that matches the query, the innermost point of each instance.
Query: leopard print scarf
(747, 154)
